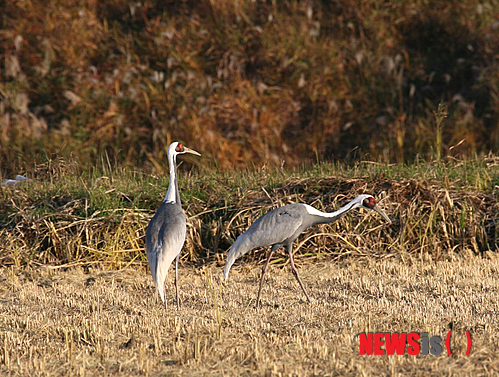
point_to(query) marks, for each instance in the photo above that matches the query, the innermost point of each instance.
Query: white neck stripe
(313, 211)
(170, 194)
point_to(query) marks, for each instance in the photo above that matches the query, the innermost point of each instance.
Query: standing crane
(281, 226)
(165, 234)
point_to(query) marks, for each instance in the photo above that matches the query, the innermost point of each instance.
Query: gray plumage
(165, 237)
(165, 234)
(281, 226)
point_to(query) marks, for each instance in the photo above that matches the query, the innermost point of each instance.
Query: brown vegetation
(246, 81)
(69, 218)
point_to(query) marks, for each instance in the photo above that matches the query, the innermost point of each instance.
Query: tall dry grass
(69, 216)
(246, 82)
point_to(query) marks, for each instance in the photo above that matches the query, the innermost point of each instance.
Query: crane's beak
(384, 215)
(189, 150)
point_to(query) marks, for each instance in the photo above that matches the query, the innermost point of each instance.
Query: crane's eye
(180, 148)
(369, 202)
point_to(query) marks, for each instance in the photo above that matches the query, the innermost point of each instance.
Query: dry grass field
(76, 296)
(95, 322)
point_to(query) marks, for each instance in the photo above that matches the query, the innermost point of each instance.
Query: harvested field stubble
(97, 322)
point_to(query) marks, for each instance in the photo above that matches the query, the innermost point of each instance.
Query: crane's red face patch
(180, 148)
(369, 202)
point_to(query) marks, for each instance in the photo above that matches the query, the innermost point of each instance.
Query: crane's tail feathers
(159, 265)
(160, 291)
(238, 249)
(228, 265)
(160, 286)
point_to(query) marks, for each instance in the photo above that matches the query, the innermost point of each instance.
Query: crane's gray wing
(273, 228)
(165, 237)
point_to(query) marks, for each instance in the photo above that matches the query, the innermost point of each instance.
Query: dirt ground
(92, 322)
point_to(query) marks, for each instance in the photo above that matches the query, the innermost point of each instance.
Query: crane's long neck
(329, 217)
(173, 195)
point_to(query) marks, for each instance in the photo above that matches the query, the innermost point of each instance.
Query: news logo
(406, 343)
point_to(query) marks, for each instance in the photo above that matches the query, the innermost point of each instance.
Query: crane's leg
(295, 271)
(176, 280)
(264, 269)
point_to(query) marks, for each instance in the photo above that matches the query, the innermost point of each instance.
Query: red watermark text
(381, 343)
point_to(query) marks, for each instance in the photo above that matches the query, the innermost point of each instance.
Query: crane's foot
(264, 269)
(295, 271)
(257, 305)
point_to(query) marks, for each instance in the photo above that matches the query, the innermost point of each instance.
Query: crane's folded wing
(272, 228)
(165, 237)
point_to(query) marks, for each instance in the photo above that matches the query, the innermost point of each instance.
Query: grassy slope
(68, 216)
